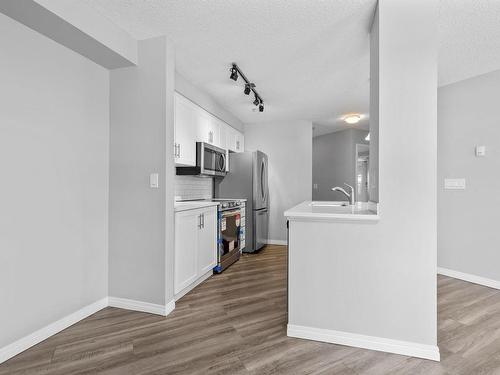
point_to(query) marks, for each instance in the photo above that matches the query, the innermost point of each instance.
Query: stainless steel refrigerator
(247, 178)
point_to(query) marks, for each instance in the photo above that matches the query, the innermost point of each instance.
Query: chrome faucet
(351, 197)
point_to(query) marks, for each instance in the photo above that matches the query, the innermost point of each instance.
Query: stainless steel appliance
(231, 234)
(248, 179)
(210, 161)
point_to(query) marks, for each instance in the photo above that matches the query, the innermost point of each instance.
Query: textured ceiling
(469, 39)
(308, 58)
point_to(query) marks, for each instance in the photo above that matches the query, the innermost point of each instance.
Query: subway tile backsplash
(192, 187)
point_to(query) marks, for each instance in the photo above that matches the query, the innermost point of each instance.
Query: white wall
(141, 218)
(468, 235)
(380, 279)
(374, 111)
(288, 146)
(54, 135)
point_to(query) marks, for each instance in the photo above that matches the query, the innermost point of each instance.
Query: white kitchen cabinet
(240, 142)
(208, 128)
(194, 124)
(207, 241)
(235, 140)
(195, 252)
(185, 134)
(223, 134)
(186, 272)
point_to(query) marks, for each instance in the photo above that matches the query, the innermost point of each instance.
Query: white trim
(130, 304)
(44, 333)
(276, 242)
(169, 307)
(366, 342)
(190, 287)
(469, 277)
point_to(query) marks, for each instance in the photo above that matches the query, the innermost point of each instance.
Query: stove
(231, 233)
(227, 204)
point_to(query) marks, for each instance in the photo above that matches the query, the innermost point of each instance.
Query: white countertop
(332, 211)
(192, 205)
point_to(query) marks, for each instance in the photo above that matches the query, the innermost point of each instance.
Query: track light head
(256, 101)
(261, 108)
(247, 89)
(234, 74)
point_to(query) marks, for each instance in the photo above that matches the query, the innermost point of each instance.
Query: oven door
(211, 159)
(230, 224)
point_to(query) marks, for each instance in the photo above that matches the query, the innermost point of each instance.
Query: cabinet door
(207, 241)
(223, 134)
(186, 243)
(185, 131)
(239, 142)
(208, 128)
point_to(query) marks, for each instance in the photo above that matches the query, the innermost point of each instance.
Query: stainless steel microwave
(210, 161)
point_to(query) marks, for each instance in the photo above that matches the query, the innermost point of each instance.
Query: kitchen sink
(329, 204)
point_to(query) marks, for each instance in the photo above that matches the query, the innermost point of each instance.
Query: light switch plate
(454, 183)
(480, 151)
(153, 180)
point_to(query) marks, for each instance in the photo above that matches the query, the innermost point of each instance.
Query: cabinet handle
(179, 146)
(203, 220)
(199, 221)
(175, 150)
(237, 145)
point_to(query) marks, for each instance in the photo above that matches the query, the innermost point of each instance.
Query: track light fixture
(235, 73)
(256, 101)
(248, 88)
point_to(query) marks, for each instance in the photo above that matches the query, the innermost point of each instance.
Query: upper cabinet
(235, 140)
(208, 128)
(194, 124)
(186, 131)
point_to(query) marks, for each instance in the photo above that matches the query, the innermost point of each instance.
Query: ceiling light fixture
(249, 86)
(352, 119)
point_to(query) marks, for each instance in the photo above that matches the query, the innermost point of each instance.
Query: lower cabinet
(195, 247)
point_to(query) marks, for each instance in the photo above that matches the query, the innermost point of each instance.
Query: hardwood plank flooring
(235, 323)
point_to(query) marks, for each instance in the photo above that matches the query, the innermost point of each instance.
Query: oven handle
(231, 213)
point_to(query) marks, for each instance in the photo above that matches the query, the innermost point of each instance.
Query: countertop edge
(339, 218)
(297, 213)
(196, 206)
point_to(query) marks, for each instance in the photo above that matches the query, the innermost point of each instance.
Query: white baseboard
(276, 242)
(189, 288)
(366, 342)
(44, 333)
(469, 277)
(130, 304)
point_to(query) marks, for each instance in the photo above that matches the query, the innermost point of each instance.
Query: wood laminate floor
(235, 323)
